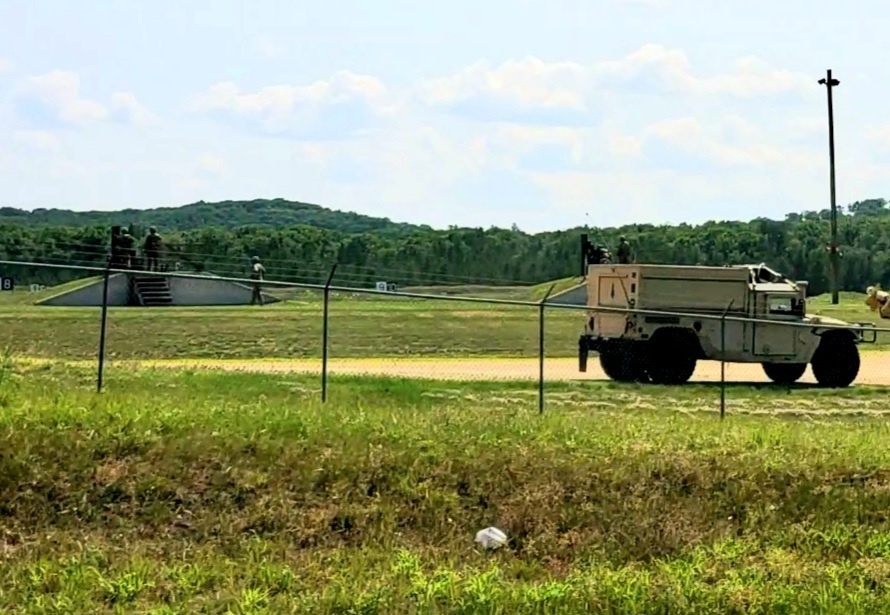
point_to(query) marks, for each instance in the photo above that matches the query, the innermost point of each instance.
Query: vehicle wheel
(677, 370)
(784, 373)
(623, 364)
(836, 361)
(670, 361)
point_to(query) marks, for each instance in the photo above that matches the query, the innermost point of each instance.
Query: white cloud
(505, 143)
(130, 110)
(534, 84)
(730, 141)
(41, 154)
(267, 47)
(212, 165)
(6, 65)
(530, 83)
(42, 140)
(56, 97)
(665, 69)
(297, 108)
(878, 134)
(58, 92)
(624, 146)
(808, 126)
(201, 175)
(527, 91)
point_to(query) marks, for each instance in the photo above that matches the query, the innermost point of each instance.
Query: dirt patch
(875, 368)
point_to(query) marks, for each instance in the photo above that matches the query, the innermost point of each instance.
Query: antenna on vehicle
(585, 247)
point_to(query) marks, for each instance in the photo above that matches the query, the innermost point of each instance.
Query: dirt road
(875, 368)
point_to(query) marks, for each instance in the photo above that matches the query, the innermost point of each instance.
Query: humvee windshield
(785, 305)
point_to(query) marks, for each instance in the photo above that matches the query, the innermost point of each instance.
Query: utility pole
(833, 253)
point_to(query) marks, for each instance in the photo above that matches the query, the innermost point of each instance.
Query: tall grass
(198, 492)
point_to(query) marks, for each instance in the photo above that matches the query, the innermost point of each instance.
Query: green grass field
(195, 492)
(360, 326)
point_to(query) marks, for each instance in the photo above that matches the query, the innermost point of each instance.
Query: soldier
(116, 260)
(152, 249)
(624, 252)
(128, 250)
(258, 273)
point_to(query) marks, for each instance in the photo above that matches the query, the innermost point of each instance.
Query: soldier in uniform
(116, 260)
(152, 249)
(258, 273)
(624, 252)
(128, 250)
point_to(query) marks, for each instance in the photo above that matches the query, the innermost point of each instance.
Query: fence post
(324, 336)
(102, 327)
(723, 360)
(541, 308)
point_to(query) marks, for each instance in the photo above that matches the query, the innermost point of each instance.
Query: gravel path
(875, 368)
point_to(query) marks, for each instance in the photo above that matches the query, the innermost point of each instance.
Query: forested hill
(271, 213)
(796, 245)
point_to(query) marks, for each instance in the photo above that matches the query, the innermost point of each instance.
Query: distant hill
(274, 213)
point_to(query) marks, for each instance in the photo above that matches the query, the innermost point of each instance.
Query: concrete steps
(152, 291)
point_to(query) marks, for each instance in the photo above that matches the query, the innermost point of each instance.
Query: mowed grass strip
(359, 327)
(356, 328)
(201, 492)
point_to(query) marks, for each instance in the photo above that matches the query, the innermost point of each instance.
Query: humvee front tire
(836, 361)
(784, 373)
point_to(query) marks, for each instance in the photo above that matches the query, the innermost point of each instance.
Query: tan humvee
(670, 333)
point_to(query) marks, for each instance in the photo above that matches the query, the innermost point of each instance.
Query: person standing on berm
(152, 249)
(258, 273)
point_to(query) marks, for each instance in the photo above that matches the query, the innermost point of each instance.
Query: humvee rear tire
(671, 370)
(836, 360)
(671, 358)
(784, 373)
(621, 363)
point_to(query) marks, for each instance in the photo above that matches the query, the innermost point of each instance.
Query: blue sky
(546, 114)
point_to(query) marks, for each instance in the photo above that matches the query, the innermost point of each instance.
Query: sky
(544, 114)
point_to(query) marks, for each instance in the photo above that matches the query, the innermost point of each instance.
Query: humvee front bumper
(863, 328)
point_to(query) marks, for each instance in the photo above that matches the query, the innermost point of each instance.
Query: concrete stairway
(152, 290)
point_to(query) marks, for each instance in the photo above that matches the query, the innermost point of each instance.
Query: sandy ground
(875, 368)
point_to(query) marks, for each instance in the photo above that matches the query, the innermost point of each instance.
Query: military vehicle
(678, 323)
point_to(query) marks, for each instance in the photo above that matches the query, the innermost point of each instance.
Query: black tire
(623, 363)
(671, 358)
(784, 373)
(836, 361)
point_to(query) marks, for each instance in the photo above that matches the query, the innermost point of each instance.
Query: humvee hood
(818, 319)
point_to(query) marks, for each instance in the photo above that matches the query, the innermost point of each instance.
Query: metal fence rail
(540, 307)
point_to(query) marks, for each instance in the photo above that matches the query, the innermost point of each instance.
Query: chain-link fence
(329, 332)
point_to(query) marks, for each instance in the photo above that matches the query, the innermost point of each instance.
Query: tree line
(269, 213)
(796, 245)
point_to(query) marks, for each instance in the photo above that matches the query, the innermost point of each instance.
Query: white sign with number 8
(6, 284)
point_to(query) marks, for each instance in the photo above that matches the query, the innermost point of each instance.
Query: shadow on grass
(737, 387)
